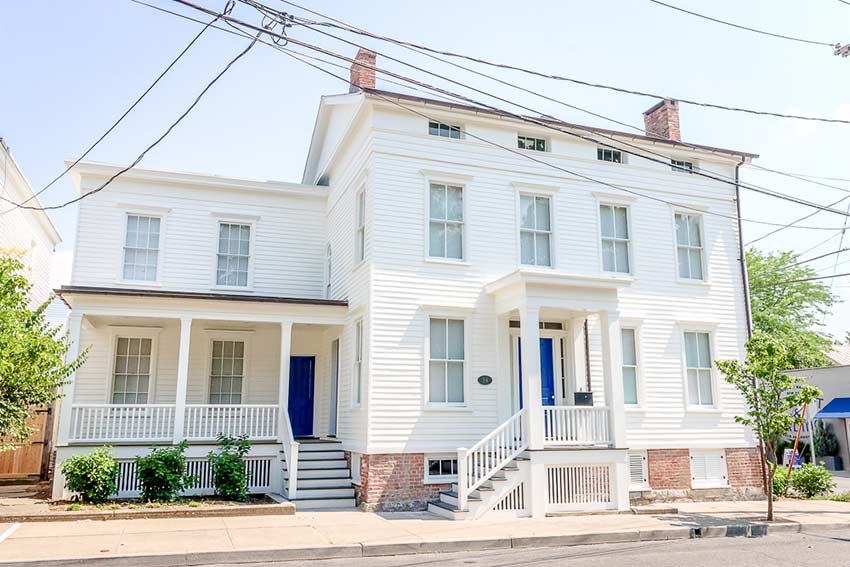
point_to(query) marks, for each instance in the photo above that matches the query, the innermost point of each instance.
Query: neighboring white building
(431, 303)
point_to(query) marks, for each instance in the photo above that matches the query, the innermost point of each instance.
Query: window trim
(447, 181)
(252, 223)
(644, 484)
(141, 212)
(724, 469)
(553, 228)
(630, 242)
(359, 244)
(439, 479)
(715, 405)
(228, 335)
(358, 357)
(704, 248)
(636, 326)
(546, 143)
(152, 333)
(426, 359)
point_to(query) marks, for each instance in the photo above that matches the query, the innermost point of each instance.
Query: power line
(818, 257)
(542, 123)
(786, 282)
(161, 137)
(388, 99)
(746, 28)
(228, 8)
(568, 79)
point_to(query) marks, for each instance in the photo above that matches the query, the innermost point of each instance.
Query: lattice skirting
(258, 470)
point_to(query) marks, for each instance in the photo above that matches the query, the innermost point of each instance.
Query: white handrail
(484, 459)
(121, 422)
(576, 425)
(207, 421)
(290, 453)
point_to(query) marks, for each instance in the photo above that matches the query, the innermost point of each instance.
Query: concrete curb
(282, 509)
(343, 551)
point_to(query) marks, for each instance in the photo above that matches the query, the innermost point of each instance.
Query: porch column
(612, 373)
(577, 350)
(75, 323)
(283, 383)
(529, 327)
(182, 379)
(504, 371)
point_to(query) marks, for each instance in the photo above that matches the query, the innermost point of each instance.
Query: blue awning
(836, 409)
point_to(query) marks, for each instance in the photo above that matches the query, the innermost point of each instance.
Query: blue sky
(71, 68)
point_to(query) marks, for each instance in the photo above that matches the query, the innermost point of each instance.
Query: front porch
(161, 371)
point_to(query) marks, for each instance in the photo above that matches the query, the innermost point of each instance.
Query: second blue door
(547, 372)
(301, 394)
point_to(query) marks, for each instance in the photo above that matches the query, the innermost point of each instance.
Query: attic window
(443, 130)
(605, 154)
(529, 143)
(682, 166)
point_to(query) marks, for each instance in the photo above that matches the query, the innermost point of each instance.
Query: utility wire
(542, 123)
(162, 136)
(785, 282)
(390, 100)
(745, 28)
(840, 250)
(556, 77)
(228, 8)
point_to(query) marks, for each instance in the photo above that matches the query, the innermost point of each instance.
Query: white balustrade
(205, 422)
(576, 425)
(115, 423)
(477, 464)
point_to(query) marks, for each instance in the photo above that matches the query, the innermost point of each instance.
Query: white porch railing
(480, 462)
(576, 425)
(115, 423)
(290, 453)
(206, 422)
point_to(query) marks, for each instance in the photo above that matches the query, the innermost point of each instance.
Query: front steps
(324, 479)
(486, 497)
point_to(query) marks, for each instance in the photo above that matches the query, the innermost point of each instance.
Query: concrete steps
(324, 478)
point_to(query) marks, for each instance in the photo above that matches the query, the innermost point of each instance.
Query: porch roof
(156, 293)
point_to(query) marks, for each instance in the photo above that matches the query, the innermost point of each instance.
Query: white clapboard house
(427, 320)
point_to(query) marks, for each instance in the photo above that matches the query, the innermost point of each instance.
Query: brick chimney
(662, 120)
(363, 77)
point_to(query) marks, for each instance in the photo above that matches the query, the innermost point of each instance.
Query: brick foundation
(744, 467)
(394, 482)
(669, 469)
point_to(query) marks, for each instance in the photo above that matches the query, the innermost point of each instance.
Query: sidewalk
(313, 535)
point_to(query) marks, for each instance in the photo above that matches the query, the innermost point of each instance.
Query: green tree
(791, 312)
(771, 395)
(32, 356)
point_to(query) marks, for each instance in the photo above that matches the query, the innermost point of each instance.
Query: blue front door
(547, 372)
(301, 392)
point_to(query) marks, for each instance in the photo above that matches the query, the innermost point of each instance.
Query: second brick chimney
(363, 77)
(662, 120)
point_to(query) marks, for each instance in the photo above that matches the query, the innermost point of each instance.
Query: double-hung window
(445, 225)
(698, 363)
(360, 236)
(689, 248)
(615, 238)
(141, 248)
(227, 372)
(446, 361)
(357, 379)
(444, 130)
(234, 254)
(535, 232)
(630, 366)
(132, 375)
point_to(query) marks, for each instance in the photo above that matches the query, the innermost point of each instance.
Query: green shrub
(162, 474)
(780, 482)
(228, 467)
(826, 443)
(812, 480)
(92, 476)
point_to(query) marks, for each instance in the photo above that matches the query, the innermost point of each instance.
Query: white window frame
(250, 222)
(328, 270)
(426, 356)
(228, 335)
(438, 479)
(714, 406)
(703, 248)
(722, 482)
(142, 212)
(635, 486)
(458, 127)
(629, 241)
(599, 157)
(360, 227)
(463, 223)
(117, 332)
(536, 139)
(636, 327)
(553, 260)
(358, 362)
(683, 169)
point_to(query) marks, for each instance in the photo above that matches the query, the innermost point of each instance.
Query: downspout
(745, 280)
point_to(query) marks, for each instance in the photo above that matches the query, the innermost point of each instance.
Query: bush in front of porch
(162, 475)
(91, 476)
(228, 467)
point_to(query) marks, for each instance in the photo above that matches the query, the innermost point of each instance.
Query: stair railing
(290, 453)
(480, 462)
